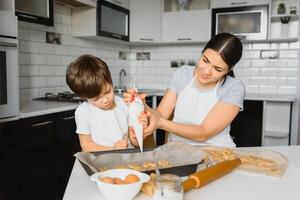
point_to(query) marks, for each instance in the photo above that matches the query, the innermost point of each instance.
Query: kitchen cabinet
(233, 3)
(35, 11)
(38, 157)
(145, 20)
(7, 5)
(276, 123)
(186, 26)
(67, 144)
(84, 21)
(122, 3)
(103, 22)
(10, 161)
(246, 128)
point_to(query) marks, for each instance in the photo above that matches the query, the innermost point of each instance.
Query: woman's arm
(88, 145)
(217, 119)
(167, 104)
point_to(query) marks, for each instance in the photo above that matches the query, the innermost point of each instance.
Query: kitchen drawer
(235, 3)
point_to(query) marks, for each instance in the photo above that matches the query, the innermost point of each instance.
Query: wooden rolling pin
(209, 174)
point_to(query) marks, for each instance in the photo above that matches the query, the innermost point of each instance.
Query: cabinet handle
(115, 35)
(8, 44)
(41, 124)
(146, 39)
(238, 3)
(28, 16)
(118, 2)
(68, 118)
(182, 39)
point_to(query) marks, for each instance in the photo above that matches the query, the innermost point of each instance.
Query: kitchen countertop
(236, 185)
(270, 97)
(33, 108)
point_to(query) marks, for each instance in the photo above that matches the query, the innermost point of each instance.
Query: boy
(102, 120)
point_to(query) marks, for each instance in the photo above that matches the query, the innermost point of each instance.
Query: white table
(236, 185)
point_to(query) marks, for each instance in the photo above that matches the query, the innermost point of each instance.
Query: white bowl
(123, 191)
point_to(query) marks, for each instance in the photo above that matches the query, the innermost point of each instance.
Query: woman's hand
(143, 119)
(121, 144)
(130, 94)
(155, 121)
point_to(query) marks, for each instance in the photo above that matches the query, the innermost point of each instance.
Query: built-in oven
(247, 22)
(9, 84)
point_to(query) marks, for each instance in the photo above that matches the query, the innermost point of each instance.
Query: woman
(205, 99)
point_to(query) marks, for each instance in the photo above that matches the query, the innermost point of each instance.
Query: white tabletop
(236, 185)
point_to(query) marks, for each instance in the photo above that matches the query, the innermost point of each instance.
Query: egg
(119, 181)
(107, 179)
(131, 178)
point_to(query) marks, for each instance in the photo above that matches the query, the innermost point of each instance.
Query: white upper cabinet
(122, 3)
(233, 3)
(7, 5)
(145, 20)
(187, 26)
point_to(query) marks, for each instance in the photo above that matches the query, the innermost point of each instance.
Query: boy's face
(105, 100)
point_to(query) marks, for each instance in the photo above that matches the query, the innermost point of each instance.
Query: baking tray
(183, 170)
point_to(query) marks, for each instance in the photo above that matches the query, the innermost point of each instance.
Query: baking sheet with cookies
(169, 155)
(264, 162)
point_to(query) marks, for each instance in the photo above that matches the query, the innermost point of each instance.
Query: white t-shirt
(106, 127)
(231, 91)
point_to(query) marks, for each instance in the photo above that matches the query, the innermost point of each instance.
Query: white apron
(192, 106)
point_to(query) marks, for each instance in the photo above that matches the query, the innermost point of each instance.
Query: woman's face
(211, 68)
(105, 100)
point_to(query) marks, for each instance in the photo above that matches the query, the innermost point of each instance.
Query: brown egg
(131, 178)
(107, 179)
(119, 181)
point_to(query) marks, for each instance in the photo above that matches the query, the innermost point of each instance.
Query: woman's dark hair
(229, 47)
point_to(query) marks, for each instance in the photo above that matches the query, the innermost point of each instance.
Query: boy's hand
(130, 94)
(121, 144)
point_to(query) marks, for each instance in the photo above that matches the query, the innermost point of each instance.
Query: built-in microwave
(112, 20)
(247, 22)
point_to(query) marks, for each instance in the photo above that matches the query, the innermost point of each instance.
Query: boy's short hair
(88, 76)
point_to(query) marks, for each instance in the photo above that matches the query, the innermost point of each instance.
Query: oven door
(248, 22)
(9, 84)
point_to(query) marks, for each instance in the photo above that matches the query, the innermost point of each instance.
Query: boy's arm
(88, 145)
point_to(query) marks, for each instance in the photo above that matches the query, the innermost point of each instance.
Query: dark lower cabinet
(67, 145)
(36, 156)
(10, 161)
(246, 128)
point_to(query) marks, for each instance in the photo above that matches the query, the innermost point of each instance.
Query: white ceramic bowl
(123, 191)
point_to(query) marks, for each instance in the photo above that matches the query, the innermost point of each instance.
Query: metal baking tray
(183, 170)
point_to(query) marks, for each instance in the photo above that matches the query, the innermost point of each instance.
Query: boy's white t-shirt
(106, 127)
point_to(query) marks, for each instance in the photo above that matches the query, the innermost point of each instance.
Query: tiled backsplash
(43, 65)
